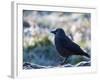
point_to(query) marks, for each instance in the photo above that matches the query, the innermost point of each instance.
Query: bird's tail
(87, 55)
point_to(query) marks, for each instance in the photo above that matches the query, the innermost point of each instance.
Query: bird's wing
(73, 47)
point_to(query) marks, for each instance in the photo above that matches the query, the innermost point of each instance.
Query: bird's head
(58, 32)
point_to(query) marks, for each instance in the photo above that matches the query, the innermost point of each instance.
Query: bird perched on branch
(65, 46)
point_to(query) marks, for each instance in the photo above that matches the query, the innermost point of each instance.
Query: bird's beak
(54, 32)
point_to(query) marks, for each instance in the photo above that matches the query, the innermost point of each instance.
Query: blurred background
(38, 42)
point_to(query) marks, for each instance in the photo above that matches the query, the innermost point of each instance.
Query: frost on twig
(28, 65)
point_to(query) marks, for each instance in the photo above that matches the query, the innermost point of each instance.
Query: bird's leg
(64, 61)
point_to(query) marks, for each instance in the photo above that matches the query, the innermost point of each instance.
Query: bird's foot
(63, 63)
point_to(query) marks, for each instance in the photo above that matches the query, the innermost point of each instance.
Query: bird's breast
(60, 46)
(58, 42)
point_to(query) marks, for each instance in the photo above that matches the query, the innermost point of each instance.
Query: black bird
(65, 46)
